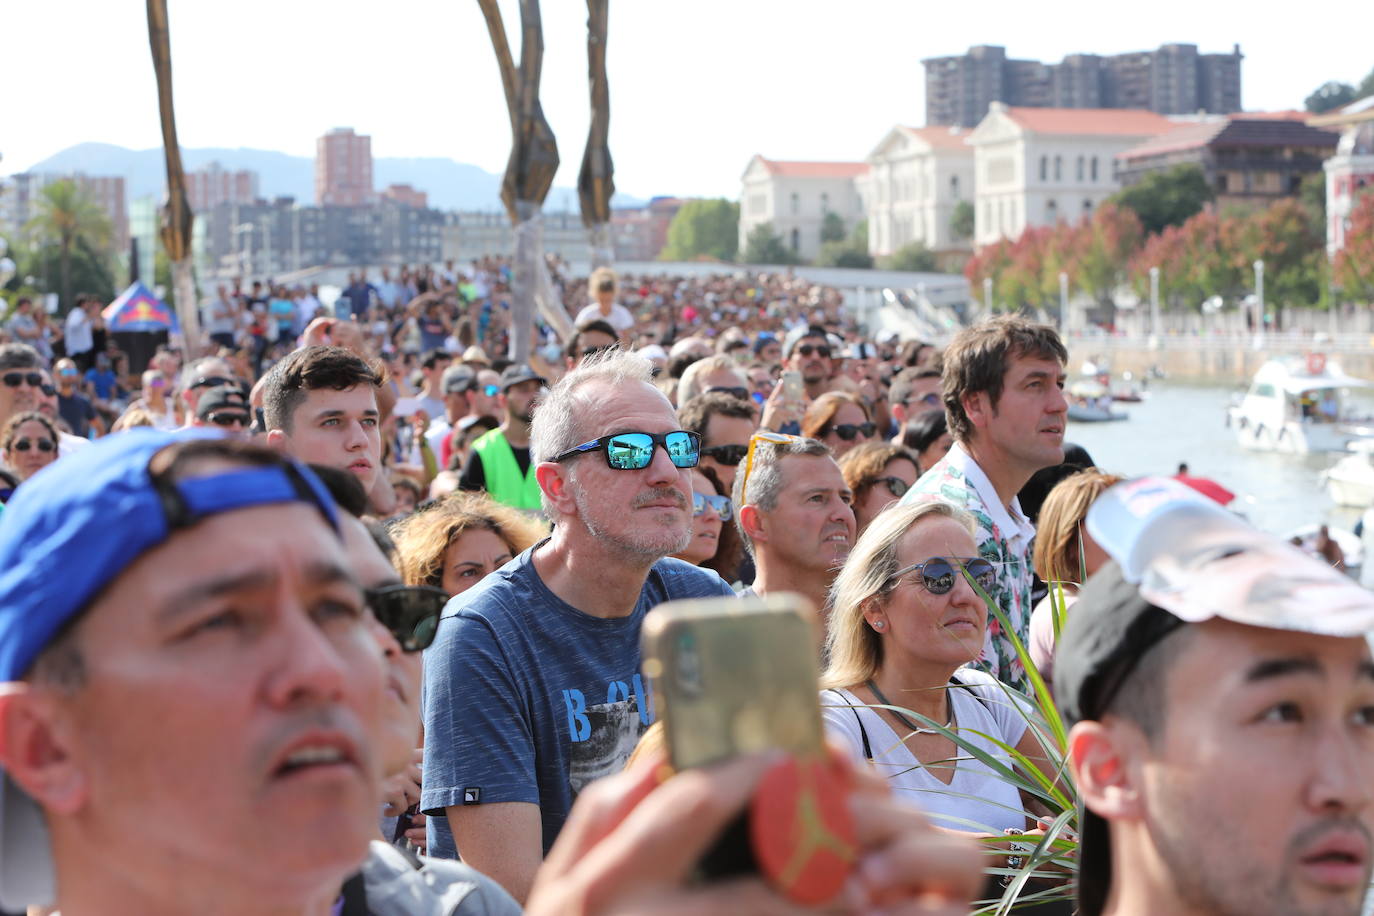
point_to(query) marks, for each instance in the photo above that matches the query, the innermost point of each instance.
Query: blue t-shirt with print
(528, 699)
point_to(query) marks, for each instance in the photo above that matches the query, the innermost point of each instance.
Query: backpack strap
(863, 732)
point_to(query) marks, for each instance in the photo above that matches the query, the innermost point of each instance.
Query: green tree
(703, 230)
(1366, 87)
(1353, 268)
(1166, 198)
(848, 252)
(832, 227)
(961, 220)
(913, 256)
(1329, 95)
(764, 246)
(69, 217)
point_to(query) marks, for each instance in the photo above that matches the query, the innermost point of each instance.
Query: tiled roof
(1090, 121)
(1238, 130)
(943, 137)
(814, 169)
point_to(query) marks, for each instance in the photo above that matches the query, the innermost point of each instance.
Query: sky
(697, 88)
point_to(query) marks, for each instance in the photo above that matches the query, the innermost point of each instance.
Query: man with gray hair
(532, 686)
(795, 515)
(714, 373)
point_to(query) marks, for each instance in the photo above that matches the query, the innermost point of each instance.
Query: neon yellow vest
(504, 482)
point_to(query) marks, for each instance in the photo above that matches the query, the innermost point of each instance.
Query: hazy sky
(696, 87)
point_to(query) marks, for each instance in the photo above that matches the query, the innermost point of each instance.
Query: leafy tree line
(1335, 94)
(65, 248)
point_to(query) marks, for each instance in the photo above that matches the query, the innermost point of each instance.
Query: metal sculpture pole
(529, 175)
(177, 217)
(595, 183)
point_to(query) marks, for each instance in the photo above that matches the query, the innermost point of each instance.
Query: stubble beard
(654, 544)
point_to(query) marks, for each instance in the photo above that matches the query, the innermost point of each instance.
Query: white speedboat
(1091, 402)
(1299, 405)
(1350, 481)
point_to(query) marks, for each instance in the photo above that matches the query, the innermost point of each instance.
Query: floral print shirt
(1004, 538)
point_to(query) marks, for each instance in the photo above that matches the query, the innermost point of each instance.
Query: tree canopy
(1167, 198)
(961, 220)
(69, 217)
(764, 246)
(846, 252)
(703, 229)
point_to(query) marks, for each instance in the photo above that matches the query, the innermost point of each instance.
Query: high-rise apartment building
(343, 169)
(1174, 79)
(214, 185)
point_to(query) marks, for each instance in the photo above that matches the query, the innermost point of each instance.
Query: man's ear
(276, 439)
(978, 408)
(554, 485)
(751, 522)
(1101, 756)
(36, 748)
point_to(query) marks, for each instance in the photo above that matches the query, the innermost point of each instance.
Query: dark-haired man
(1003, 391)
(320, 405)
(912, 393)
(22, 378)
(807, 350)
(500, 460)
(1220, 690)
(433, 365)
(591, 338)
(725, 424)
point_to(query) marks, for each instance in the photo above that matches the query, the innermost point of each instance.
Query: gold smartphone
(792, 389)
(734, 676)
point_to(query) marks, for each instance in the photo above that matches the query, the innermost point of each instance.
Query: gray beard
(655, 545)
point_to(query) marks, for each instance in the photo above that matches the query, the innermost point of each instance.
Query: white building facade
(916, 178)
(795, 196)
(1040, 166)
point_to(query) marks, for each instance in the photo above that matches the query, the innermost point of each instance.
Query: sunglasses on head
(762, 435)
(726, 454)
(822, 350)
(741, 393)
(938, 574)
(635, 451)
(15, 379)
(895, 485)
(847, 431)
(719, 503)
(229, 418)
(43, 445)
(410, 612)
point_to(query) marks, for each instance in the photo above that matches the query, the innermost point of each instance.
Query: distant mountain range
(451, 185)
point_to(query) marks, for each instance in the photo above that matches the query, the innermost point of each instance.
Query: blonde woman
(904, 623)
(1065, 555)
(460, 540)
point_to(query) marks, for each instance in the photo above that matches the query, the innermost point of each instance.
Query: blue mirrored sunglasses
(720, 503)
(635, 451)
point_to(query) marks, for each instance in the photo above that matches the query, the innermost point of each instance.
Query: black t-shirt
(474, 476)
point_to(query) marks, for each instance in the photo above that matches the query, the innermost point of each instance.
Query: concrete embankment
(1230, 361)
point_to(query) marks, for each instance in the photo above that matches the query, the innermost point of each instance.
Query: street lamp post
(1154, 304)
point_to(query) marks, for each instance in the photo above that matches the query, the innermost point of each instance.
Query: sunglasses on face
(229, 419)
(592, 351)
(15, 379)
(719, 503)
(938, 574)
(67, 373)
(930, 399)
(807, 349)
(895, 485)
(741, 393)
(491, 391)
(47, 390)
(847, 431)
(410, 612)
(730, 455)
(635, 451)
(215, 381)
(43, 445)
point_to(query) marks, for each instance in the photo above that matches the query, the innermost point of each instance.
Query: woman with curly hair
(28, 444)
(461, 539)
(879, 474)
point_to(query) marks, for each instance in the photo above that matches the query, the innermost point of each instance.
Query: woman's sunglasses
(635, 451)
(726, 454)
(895, 485)
(43, 445)
(410, 612)
(938, 574)
(848, 431)
(719, 503)
(741, 393)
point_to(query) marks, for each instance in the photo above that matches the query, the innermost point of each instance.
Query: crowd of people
(366, 597)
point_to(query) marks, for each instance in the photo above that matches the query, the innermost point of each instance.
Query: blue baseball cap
(67, 533)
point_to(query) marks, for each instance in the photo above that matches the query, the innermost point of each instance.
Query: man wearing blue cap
(191, 685)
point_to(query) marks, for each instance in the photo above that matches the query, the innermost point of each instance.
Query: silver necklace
(915, 729)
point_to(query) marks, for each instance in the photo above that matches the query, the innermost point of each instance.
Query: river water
(1179, 422)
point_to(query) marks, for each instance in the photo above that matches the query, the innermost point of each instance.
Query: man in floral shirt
(1003, 394)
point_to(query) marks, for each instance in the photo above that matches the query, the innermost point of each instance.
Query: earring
(878, 624)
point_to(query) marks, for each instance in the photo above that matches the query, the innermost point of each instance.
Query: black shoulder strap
(863, 732)
(955, 682)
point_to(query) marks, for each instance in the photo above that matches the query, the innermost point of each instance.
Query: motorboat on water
(1091, 402)
(1300, 405)
(1307, 537)
(1350, 481)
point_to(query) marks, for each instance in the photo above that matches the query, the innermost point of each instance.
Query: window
(796, 235)
(954, 187)
(825, 202)
(1051, 212)
(1094, 169)
(796, 207)
(1087, 205)
(1044, 168)
(1080, 169)
(1058, 168)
